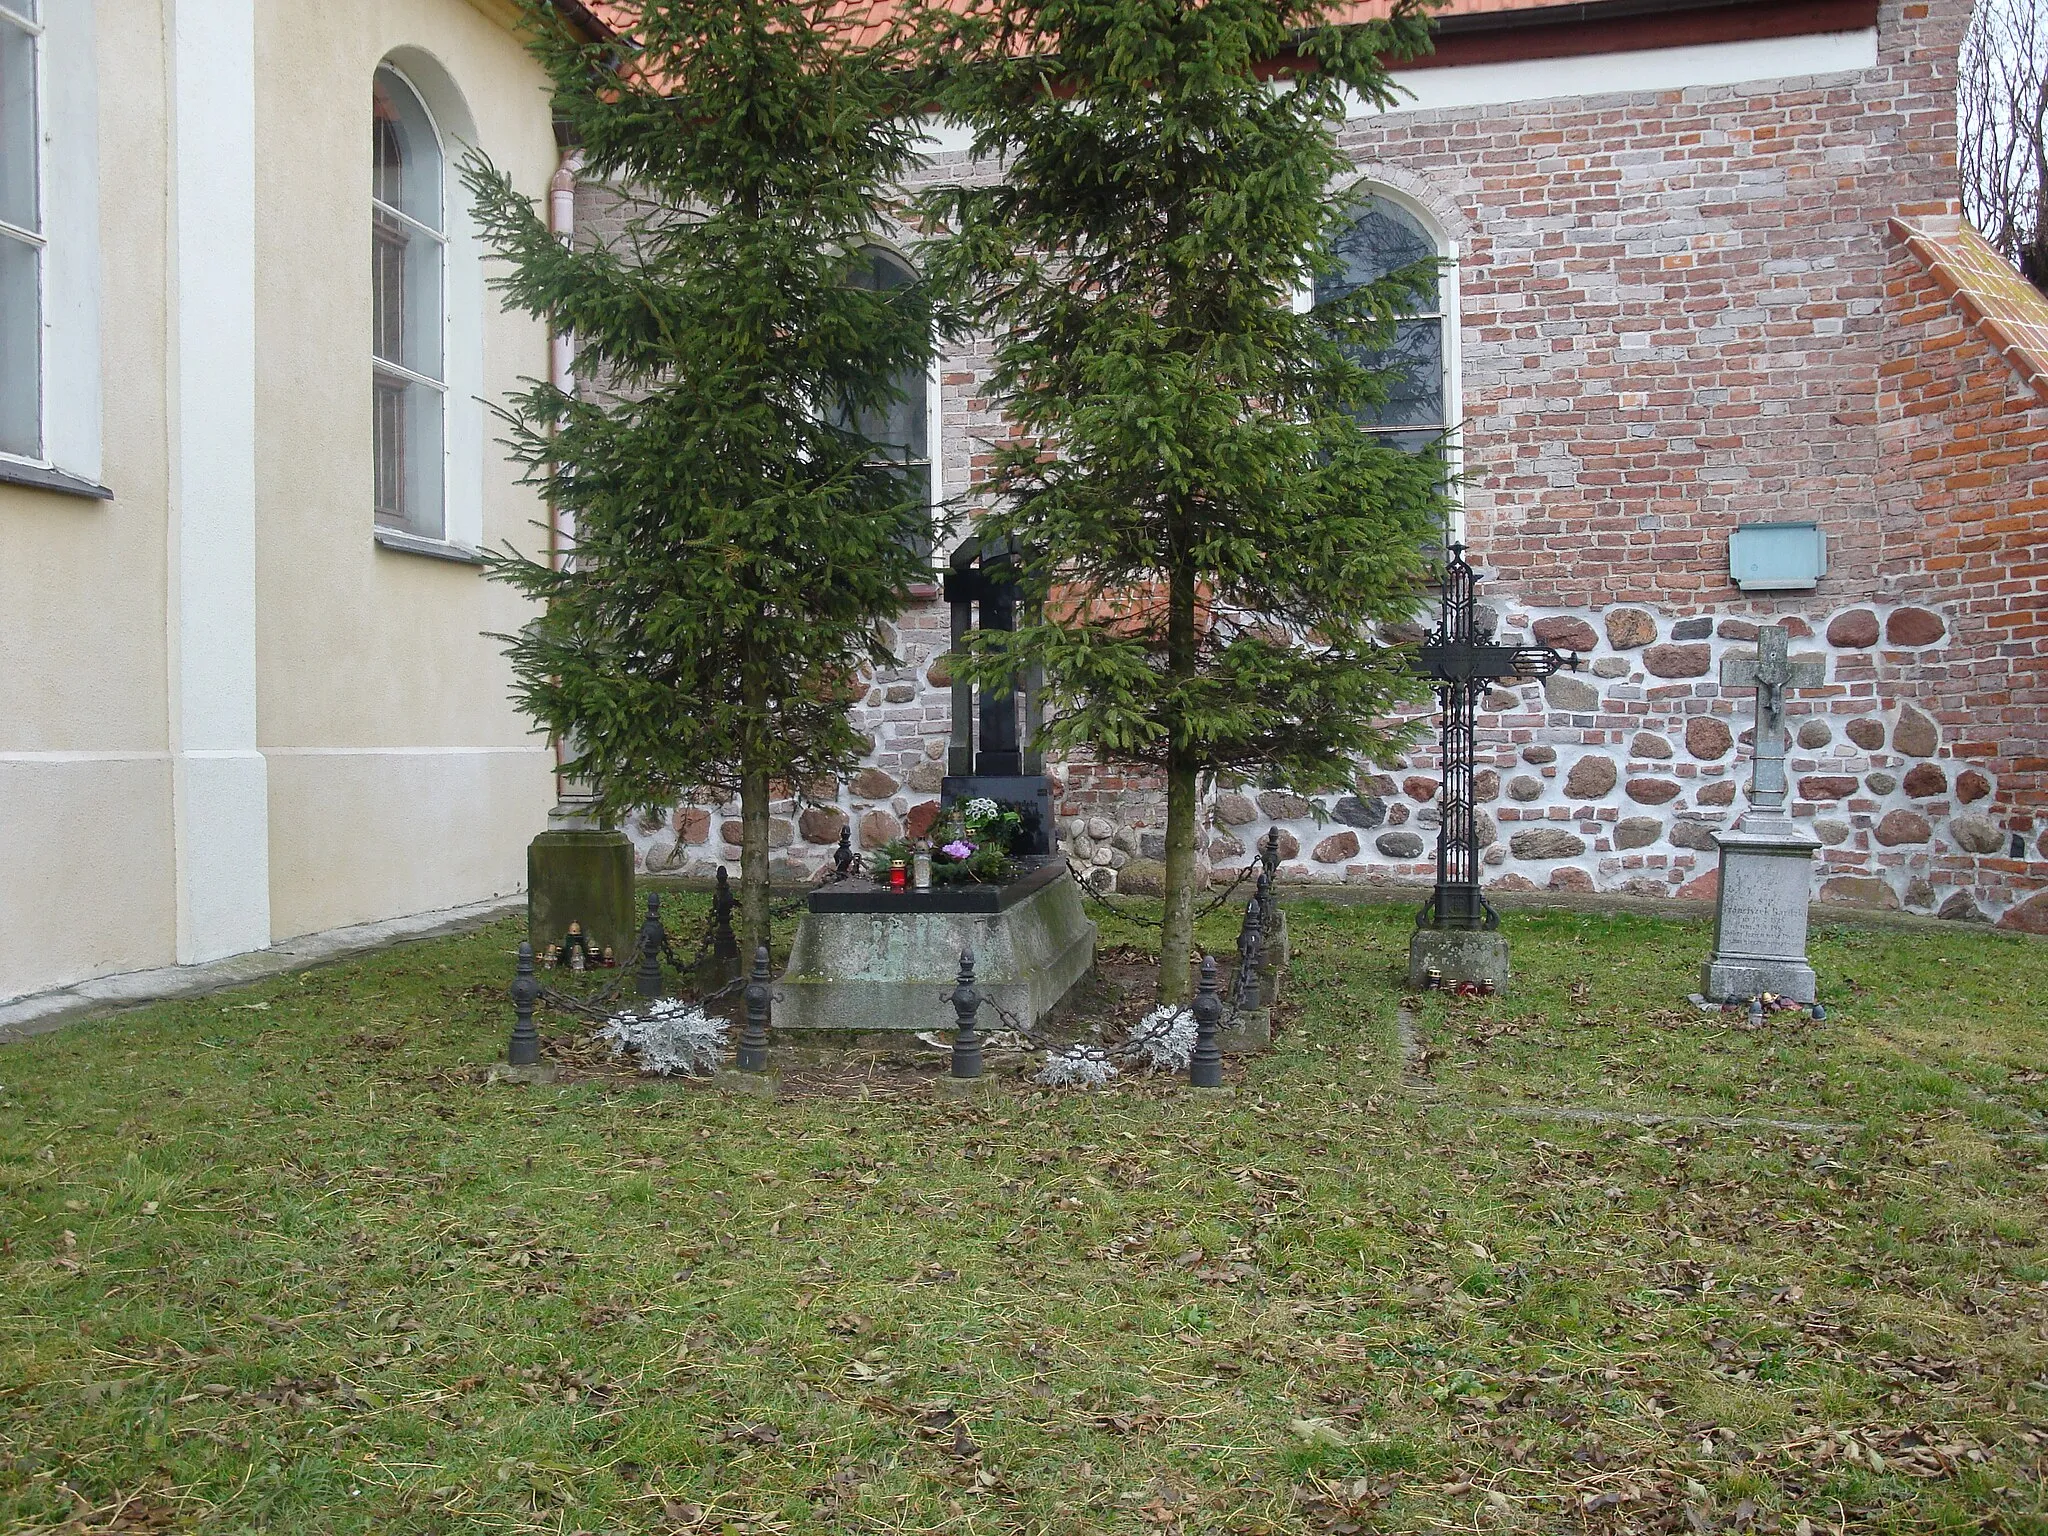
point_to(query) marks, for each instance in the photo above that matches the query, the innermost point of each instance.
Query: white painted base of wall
(223, 822)
(86, 881)
(280, 841)
(359, 833)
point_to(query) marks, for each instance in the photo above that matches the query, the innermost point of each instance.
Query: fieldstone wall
(1616, 777)
(1613, 778)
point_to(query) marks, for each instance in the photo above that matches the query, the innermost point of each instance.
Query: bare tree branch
(2002, 130)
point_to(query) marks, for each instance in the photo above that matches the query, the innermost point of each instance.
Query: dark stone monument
(870, 958)
(993, 753)
(1457, 934)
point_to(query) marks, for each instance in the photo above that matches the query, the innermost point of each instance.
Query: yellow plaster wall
(86, 874)
(401, 778)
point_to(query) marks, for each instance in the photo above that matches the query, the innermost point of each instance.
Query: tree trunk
(753, 864)
(753, 831)
(1177, 937)
(1177, 934)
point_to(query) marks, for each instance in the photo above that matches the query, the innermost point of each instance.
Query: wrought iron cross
(1463, 662)
(1770, 671)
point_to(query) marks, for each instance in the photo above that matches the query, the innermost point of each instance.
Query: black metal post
(653, 938)
(1205, 1065)
(842, 856)
(966, 1004)
(524, 1051)
(753, 1052)
(1269, 856)
(1251, 956)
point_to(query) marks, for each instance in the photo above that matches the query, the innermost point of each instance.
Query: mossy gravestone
(581, 874)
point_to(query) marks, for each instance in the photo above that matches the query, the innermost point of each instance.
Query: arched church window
(408, 258)
(900, 429)
(1381, 238)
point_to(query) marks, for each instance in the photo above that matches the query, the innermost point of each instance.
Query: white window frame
(1362, 184)
(439, 237)
(461, 385)
(934, 416)
(69, 457)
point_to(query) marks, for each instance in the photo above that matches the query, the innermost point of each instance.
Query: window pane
(407, 418)
(917, 486)
(405, 283)
(879, 272)
(899, 426)
(25, 9)
(407, 156)
(1415, 392)
(1380, 239)
(1409, 442)
(21, 347)
(17, 127)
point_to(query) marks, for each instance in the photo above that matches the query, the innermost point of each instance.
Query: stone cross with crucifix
(1766, 859)
(1770, 672)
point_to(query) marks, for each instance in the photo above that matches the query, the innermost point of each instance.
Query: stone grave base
(1459, 954)
(1735, 981)
(1760, 914)
(539, 1075)
(877, 960)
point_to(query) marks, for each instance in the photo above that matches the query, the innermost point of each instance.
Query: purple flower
(959, 848)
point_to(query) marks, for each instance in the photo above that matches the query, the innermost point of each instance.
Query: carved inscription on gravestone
(1763, 905)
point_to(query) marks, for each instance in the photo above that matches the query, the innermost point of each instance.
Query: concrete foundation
(1251, 1030)
(581, 876)
(1458, 954)
(892, 966)
(1246, 1034)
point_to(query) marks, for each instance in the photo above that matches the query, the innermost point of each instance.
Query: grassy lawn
(276, 1260)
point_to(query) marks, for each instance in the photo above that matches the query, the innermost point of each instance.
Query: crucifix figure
(1766, 859)
(1462, 662)
(1770, 672)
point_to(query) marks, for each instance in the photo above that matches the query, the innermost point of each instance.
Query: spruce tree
(1211, 539)
(737, 540)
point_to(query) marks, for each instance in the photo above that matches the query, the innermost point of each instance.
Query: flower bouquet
(971, 845)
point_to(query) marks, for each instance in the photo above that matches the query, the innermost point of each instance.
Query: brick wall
(1672, 311)
(1965, 518)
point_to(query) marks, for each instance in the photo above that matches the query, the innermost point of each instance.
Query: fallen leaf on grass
(1318, 1432)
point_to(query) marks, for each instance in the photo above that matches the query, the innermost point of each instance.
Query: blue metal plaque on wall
(1777, 557)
